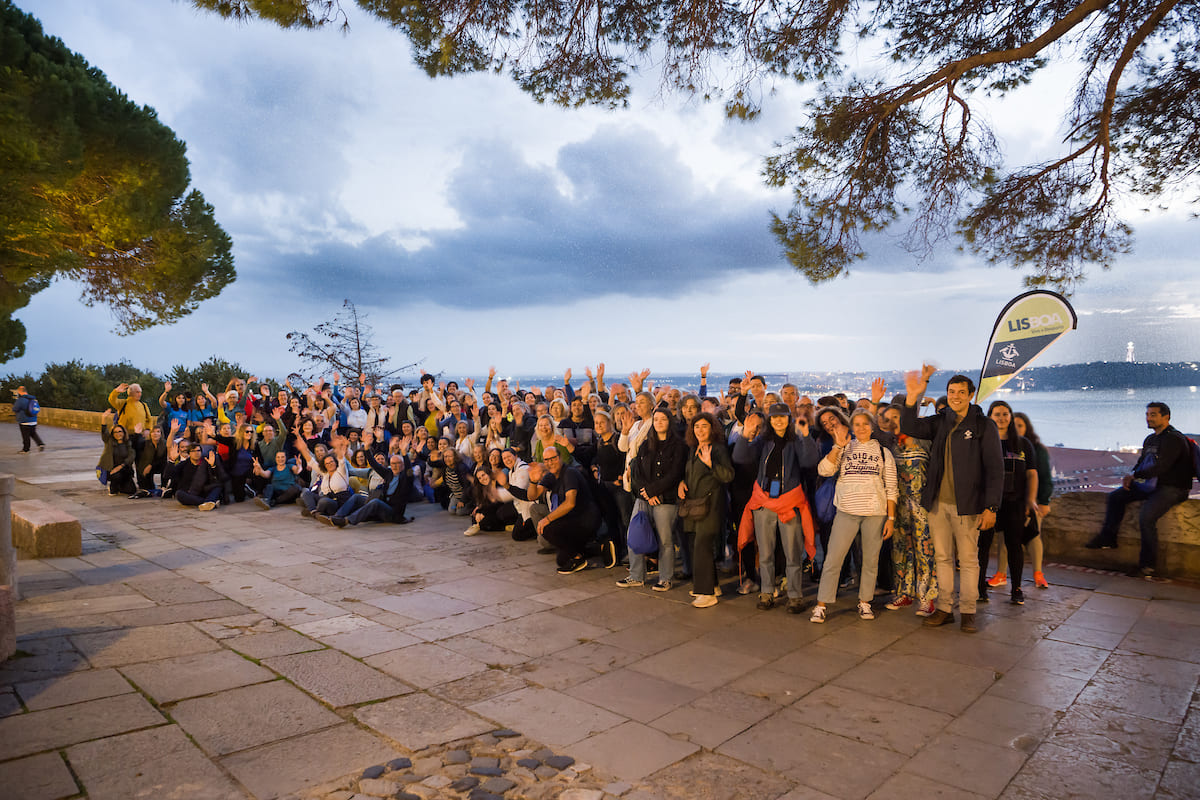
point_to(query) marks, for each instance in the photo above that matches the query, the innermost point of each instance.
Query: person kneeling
(573, 519)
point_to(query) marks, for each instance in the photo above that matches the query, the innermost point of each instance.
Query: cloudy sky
(476, 227)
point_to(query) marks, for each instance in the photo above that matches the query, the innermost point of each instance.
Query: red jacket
(787, 506)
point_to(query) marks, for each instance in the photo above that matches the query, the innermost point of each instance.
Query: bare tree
(345, 344)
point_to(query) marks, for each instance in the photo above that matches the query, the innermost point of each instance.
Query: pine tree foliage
(94, 188)
(897, 142)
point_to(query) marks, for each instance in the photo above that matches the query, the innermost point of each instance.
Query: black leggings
(1010, 521)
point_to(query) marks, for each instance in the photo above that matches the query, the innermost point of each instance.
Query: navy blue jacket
(975, 455)
(799, 454)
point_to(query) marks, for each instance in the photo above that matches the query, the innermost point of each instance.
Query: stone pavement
(245, 653)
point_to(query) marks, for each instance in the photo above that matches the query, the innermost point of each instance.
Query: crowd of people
(770, 486)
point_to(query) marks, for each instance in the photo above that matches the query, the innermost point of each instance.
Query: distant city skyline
(476, 227)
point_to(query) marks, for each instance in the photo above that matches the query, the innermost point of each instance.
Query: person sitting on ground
(494, 509)
(119, 456)
(387, 502)
(152, 460)
(331, 483)
(280, 483)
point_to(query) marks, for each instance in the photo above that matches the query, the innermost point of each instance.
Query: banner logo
(1034, 320)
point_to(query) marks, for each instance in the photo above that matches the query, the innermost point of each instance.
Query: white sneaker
(818, 614)
(704, 601)
(206, 506)
(864, 610)
(748, 587)
(471, 531)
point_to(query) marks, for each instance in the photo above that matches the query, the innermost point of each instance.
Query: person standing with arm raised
(964, 487)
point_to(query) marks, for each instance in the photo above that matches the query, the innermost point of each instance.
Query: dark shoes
(575, 566)
(938, 618)
(1099, 542)
(795, 605)
(968, 623)
(609, 551)
(338, 522)
(1018, 597)
(765, 602)
(983, 596)
(263, 504)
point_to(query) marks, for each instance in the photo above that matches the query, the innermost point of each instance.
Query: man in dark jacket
(963, 489)
(25, 408)
(1162, 478)
(391, 501)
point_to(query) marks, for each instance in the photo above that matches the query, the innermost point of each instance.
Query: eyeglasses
(550, 458)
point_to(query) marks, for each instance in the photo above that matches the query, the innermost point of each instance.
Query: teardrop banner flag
(1028, 325)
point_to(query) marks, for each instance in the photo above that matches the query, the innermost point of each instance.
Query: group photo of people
(742, 489)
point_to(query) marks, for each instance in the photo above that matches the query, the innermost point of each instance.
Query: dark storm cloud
(618, 213)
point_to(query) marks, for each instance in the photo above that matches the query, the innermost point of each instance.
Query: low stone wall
(1075, 517)
(60, 417)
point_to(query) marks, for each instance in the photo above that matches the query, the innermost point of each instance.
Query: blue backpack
(34, 407)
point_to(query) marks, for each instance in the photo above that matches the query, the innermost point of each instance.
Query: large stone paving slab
(632, 751)
(967, 764)
(418, 720)
(547, 716)
(634, 695)
(115, 648)
(253, 715)
(426, 665)
(699, 666)
(41, 777)
(539, 634)
(172, 679)
(77, 687)
(160, 764)
(824, 761)
(855, 715)
(336, 678)
(921, 681)
(23, 734)
(288, 767)
(709, 776)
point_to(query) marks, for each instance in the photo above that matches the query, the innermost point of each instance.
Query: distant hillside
(1060, 377)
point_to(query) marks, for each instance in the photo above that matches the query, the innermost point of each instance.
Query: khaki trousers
(951, 532)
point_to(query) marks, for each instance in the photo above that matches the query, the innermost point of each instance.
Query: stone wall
(59, 417)
(1075, 517)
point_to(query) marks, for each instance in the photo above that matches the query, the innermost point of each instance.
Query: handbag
(694, 508)
(641, 537)
(1033, 529)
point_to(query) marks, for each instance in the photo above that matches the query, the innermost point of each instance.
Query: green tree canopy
(94, 189)
(892, 142)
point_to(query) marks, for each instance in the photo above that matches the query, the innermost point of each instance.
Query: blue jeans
(371, 511)
(347, 508)
(1154, 505)
(766, 522)
(662, 516)
(845, 528)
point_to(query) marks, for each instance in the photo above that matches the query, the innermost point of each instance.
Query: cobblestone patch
(500, 764)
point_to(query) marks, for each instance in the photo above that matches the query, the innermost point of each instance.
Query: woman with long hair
(656, 473)
(494, 509)
(1045, 489)
(1017, 504)
(118, 458)
(866, 503)
(706, 473)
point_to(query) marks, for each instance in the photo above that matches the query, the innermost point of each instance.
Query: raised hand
(878, 386)
(122, 387)
(704, 453)
(337, 376)
(704, 370)
(600, 370)
(567, 376)
(212, 458)
(470, 384)
(166, 386)
(588, 371)
(841, 436)
(204, 387)
(491, 372)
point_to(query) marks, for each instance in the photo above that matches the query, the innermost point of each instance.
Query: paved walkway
(244, 653)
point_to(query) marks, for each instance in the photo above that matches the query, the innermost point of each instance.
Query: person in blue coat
(26, 408)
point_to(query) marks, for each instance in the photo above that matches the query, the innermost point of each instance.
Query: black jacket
(975, 454)
(660, 471)
(1168, 457)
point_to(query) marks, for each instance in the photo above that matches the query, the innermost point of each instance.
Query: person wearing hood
(964, 488)
(778, 507)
